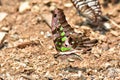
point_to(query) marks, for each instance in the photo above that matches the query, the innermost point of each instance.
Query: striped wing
(95, 5)
(88, 8)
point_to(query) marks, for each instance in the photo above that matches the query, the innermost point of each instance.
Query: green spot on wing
(63, 49)
(62, 34)
(61, 28)
(59, 43)
(64, 38)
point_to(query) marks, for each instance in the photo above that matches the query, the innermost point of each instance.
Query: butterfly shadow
(103, 26)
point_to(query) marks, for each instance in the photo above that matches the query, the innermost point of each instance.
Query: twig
(29, 43)
(113, 22)
(27, 77)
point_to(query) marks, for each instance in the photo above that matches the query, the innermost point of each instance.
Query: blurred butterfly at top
(89, 9)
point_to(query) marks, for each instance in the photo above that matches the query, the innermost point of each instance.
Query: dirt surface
(28, 50)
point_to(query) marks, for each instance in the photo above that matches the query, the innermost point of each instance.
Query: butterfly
(64, 37)
(88, 8)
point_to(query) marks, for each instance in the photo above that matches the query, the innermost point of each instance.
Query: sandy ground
(28, 51)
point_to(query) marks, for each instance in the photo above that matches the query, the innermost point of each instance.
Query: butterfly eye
(54, 15)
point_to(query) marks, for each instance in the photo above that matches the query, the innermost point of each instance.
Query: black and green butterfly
(61, 31)
(65, 39)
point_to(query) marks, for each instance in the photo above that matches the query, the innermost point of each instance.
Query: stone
(3, 15)
(24, 6)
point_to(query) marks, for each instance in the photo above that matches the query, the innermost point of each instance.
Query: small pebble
(79, 74)
(48, 34)
(5, 29)
(71, 60)
(52, 8)
(35, 8)
(15, 36)
(97, 55)
(50, 47)
(3, 15)
(42, 33)
(68, 5)
(107, 26)
(24, 6)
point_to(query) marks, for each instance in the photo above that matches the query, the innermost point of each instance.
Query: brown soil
(28, 51)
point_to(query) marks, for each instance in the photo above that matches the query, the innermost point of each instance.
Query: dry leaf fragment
(25, 44)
